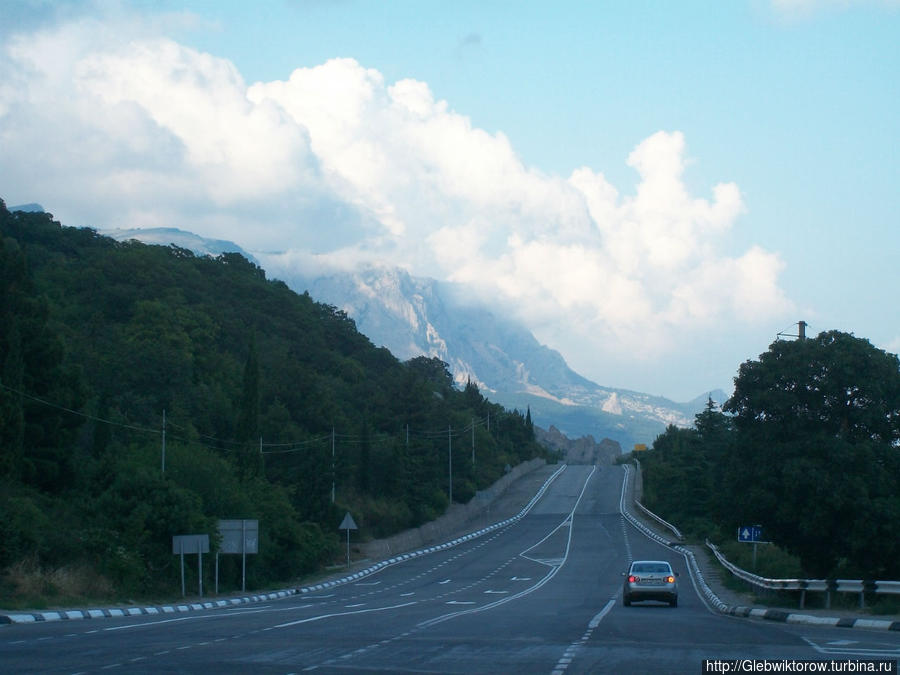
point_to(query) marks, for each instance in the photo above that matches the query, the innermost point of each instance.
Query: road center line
(569, 655)
(550, 574)
(602, 613)
(328, 616)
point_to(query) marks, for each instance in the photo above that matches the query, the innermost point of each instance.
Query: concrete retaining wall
(448, 524)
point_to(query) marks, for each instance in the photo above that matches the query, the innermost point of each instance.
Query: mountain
(28, 208)
(164, 236)
(414, 316)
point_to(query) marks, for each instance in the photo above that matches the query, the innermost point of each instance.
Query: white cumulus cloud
(334, 166)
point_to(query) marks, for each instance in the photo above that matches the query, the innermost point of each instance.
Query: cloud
(801, 9)
(336, 167)
(893, 346)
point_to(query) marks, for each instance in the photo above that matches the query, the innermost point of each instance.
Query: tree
(815, 458)
(715, 436)
(247, 427)
(364, 466)
(120, 331)
(34, 437)
(835, 384)
(432, 370)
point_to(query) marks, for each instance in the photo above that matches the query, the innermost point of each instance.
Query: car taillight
(633, 579)
(670, 579)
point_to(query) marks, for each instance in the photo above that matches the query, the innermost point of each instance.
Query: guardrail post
(867, 586)
(832, 585)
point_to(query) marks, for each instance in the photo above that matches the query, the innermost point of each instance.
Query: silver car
(650, 580)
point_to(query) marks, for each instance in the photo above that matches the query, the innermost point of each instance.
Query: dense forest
(146, 392)
(808, 447)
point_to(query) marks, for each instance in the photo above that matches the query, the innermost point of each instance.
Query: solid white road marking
(328, 616)
(890, 653)
(530, 589)
(569, 655)
(603, 612)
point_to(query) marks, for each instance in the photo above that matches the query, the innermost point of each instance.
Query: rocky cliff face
(413, 316)
(584, 450)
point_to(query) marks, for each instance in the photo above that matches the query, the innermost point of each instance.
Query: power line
(93, 418)
(293, 446)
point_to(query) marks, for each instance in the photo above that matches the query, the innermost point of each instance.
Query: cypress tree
(249, 461)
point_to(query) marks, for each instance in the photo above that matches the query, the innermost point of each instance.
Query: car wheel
(674, 602)
(626, 601)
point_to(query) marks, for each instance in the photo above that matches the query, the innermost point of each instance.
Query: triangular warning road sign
(347, 523)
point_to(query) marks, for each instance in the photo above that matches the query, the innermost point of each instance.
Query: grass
(26, 585)
(774, 563)
(771, 561)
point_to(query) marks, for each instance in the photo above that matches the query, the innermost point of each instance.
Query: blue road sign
(750, 533)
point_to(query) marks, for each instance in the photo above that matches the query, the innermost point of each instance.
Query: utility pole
(450, 461)
(473, 441)
(801, 332)
(332, 465)
(164, 443)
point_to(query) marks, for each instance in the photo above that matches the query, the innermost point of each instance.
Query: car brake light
(670, 579)
(633, 579)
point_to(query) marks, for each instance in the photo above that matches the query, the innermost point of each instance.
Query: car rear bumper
(660, 595)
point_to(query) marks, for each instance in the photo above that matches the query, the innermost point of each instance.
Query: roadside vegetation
(146, 392)
(808, 448)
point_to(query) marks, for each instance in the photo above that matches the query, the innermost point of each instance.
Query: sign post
(191, 543)
(238, 537)
(751, 534)
(348, 524)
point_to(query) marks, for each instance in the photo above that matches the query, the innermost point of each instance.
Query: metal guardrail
(827, 586)
(652, 515)
(659, 520)
(700, 583)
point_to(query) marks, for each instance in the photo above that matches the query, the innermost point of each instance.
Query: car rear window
(651, 568)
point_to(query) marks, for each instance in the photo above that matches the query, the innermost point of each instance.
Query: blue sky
(655, 188)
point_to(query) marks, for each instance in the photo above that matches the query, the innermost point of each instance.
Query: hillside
(146, 392)
(414, 316)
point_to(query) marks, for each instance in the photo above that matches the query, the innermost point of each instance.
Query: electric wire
(288, 447)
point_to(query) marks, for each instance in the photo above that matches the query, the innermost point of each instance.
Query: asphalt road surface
(542, 595)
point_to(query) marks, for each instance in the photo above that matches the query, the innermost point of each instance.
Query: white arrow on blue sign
(750, 533)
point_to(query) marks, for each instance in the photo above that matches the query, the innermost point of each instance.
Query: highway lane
(542, 595)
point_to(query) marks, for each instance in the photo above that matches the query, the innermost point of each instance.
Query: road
(542, 595)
